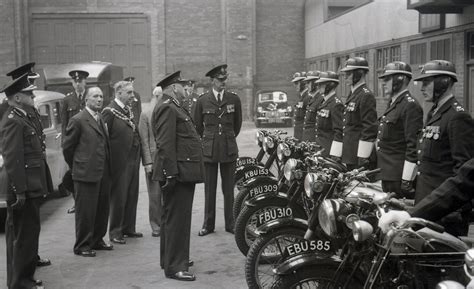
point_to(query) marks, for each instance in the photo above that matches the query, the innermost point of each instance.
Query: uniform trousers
(154, 202)
(176, 227)
(92, 213)
(124, 197)
(227, 175)
(22, 233)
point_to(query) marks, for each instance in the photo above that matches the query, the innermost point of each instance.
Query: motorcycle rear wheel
(315, 276)
(265, 253)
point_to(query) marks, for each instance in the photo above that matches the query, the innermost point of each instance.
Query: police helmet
(355, 63)
(438, 68)
(312, 75)
(396, 67)
(297, 77)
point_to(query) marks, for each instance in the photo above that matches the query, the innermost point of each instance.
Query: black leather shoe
(190, 263)
(230, 230)
(42, 262)
(133, 235)
(120, 241)
(204, 232)
(37, 282)
(71, 210)
(182, 276)
(103, 246)
(85, 253)
(156, 233)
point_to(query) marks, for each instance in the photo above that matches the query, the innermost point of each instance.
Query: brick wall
(7, 39)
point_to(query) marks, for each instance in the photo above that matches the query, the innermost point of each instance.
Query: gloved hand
(337, 159)
(148, 169)
(20, 201)
(407, 187)
(363, 162)
(392, 217)
(169, 184)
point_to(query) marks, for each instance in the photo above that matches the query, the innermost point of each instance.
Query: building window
(471, 45)
(440, 49)
(418, 53)
(364, 54)
(430, 22)
(334, 9)
(324, 65)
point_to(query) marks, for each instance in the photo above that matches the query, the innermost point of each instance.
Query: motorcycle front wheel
(315, 276)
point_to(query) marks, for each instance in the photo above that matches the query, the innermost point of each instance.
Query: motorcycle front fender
(299, 261)
(255, 201)
(249, 172)
(281, 223)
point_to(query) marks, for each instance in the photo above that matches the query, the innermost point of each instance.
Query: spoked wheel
(314, 277)
(239, 200)
(266, 253)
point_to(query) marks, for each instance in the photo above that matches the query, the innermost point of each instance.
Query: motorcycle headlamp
(283, 150)
(258, 138)
(268, 143)
(312, 184)
(289, 168)
(361, 230)
(327, 216)
(469, 260)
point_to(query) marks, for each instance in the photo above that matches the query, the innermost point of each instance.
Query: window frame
(326, 16)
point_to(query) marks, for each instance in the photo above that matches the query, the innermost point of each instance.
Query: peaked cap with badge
(78, 74)
(219, 72)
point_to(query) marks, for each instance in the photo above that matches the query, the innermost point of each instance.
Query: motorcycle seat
(444, 238)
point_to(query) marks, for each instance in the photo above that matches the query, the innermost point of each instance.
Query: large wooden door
(121, 39)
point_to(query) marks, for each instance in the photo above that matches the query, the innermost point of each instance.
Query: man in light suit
(125, 163)
(86, 151)
(147, 139)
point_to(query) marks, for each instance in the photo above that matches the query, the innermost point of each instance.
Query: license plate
(269, 188)
(244, 162)
(273, 214)
(255, 173)
(308, 246)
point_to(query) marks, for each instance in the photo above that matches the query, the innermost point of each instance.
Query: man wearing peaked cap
(191, 97)
(398, 129)
(178, 167)
(314, 100)
(218, 118)
(446, 139)
(137, 101)
(359, 117)
(73, 103)
(328, 127)
(34, 116)
(25, 167)
(300, 107)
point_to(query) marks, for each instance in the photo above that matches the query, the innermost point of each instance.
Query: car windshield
(271, 105)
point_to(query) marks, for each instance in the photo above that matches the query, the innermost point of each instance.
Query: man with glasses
(218, 118)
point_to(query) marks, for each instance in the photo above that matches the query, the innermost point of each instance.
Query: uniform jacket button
(418, 173)
(418, 162)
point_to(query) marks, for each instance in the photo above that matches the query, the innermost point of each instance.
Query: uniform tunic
(309, 120)
(397, 139)
(446, 143)
(329, 123)
(72, 104)
(190, 104)
(300, 112)
(359, 125)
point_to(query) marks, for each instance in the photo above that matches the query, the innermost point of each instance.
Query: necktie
(219, 100)
(431, 112)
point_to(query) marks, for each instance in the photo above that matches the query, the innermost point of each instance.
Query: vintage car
(273, 108)
(48, 104)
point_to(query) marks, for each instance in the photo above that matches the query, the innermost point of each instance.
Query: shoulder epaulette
(175, 101)
(458, 107)
(366, 90)
(410, 99)
(202, 94)
(337, 100)
(69, 93)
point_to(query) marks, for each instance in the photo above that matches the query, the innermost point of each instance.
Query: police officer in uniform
(136, 103)
(300, 106)
(34, 116)
(73, 103)
(25, 165)
(178, 167)
(360, 117)
(328, 129)
(191, 98)
(398, 130)
(218, 120)
(314, 100)
(446, 139)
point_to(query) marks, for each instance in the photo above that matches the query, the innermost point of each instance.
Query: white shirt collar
(353, 88)
(93, 113)
(394, 98)
(216, 93)
(121, 104)
(442, 101)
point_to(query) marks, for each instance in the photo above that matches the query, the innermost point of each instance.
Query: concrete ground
(217, 261)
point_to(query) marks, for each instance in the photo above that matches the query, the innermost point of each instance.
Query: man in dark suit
(178, 167)
(72, 104)
(398, 130)
(314, 100)
(300, 106)
(86, 151)
(24, 162)
(218, 120)
(136, 102)
(125, 163)
(447, 137)
(360, 117)
(34, 116)
(329, 115)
